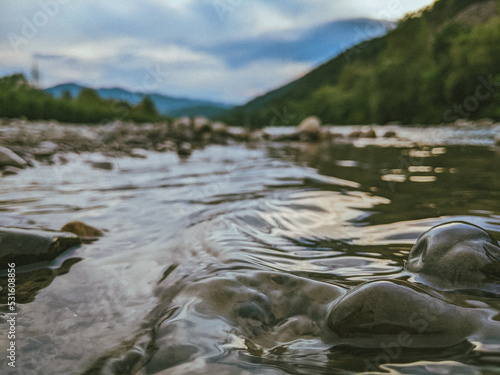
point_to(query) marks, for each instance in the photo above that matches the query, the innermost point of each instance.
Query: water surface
(228, 261)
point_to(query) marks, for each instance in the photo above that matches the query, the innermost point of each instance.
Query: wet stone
(81, 229)
(10, 171)
(184, 149)
(390, 134)
(396, 311)
(456, 255)
(202, 124)
(9, 158)
(104, 165)
(27, 246)
(45, 150)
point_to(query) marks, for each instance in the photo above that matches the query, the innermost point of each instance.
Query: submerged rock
(390, 134)
(184, 149)
(10, 171)
(456, 255)
(385, 312)
(29, 283)
(9, 158)
(138, 153)
(369, 134)
(27, 246)
(45, 150)
(355, 134)
(166, 146)
(82, 230)
(104, 165)
(363, 134)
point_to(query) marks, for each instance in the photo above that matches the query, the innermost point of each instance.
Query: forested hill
(435, 66)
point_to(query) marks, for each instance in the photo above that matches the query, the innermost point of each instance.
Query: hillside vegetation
(436, 66)
(20, 99)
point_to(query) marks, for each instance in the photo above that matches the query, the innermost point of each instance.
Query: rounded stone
(81, 229)
(9, 158)
(310, 125)
(382, 312)
(456, 255)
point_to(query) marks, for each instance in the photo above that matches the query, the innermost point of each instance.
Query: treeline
(20, 99)
(437, 66)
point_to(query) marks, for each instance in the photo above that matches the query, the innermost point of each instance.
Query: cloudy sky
(220, 50)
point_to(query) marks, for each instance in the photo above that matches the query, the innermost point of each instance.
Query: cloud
(313, 45)
(224, 50)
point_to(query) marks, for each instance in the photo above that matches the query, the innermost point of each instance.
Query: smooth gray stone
(8, 157)
(456, 255)
(398, 314)
(27, 246)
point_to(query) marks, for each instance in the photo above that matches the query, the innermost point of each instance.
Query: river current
(228, 261)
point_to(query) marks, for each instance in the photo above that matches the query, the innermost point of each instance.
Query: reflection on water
(229, 261)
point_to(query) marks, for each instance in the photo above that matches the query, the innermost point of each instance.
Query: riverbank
(42, 141)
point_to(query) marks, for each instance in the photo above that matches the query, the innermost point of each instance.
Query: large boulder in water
(456, 255)
(9, 158)
(27, 246)
(382, 312)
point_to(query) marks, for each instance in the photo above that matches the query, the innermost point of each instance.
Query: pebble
(166, 146)
(390, 134)
(104, 165)
(82, 230)
(184, 149)
(45, 150)
(361, 134)
(10, 171)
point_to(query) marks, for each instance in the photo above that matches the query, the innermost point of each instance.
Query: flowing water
(228, 262)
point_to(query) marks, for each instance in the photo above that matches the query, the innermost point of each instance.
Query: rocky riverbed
(22, 143)
(146, 250)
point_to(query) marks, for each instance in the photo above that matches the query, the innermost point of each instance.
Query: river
(227, 261)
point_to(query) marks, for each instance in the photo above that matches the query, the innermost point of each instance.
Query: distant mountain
(428, 69)
(166, 105)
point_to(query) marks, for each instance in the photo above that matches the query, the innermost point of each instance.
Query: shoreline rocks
(363, 134)
(28, 143)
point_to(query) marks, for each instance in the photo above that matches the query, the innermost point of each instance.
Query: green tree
(147, 107)
(66, 95)
(89, 97)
